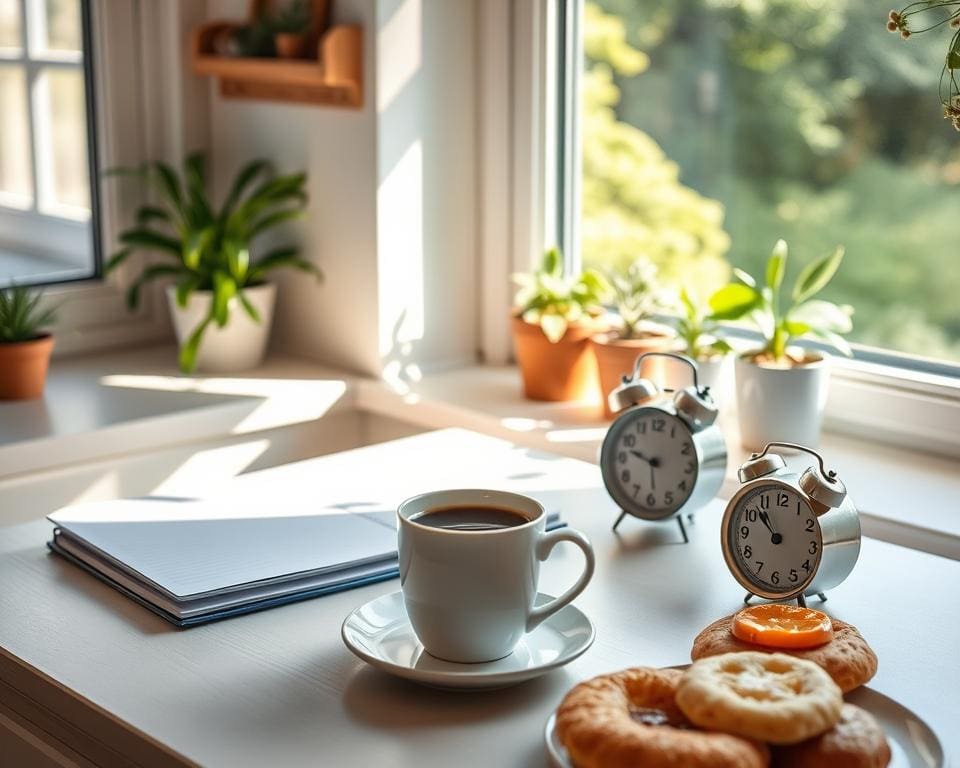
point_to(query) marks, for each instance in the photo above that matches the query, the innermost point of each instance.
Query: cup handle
(544, 547)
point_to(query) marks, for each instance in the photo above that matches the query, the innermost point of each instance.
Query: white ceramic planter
(780, 403)
(717, 373)
(240, 344)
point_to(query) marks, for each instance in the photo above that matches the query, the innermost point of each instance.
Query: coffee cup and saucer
(469, 614)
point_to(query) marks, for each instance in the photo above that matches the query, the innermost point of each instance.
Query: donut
(630, 719)
(857, 741)
(848, 659)
(769, 697)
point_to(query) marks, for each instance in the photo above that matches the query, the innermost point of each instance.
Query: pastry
(847, 658)
(770, 697)
(857, 741)
(630, 718)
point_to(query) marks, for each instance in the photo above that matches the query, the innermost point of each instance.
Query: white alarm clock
(663, 456)
(786, 534)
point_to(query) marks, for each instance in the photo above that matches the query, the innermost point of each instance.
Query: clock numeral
(682, 485)
(765, 501)
(744, 532)
(622, 457)
(668, 498)
(659, 424)
(636, 490)
(750, 515)
(759, 565)
(794, 575)
(689, 468)
(673, 430)
(775, 577)
(651, 500)
(642, 427)
(625, 476)
(813, 548)
(809, 528)
(747, 551)
(629, 441)
(782, 499)
(685, 449)
(806, 566)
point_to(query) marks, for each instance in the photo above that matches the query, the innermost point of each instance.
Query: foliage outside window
(713, 128)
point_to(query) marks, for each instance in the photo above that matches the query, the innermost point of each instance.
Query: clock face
(774, 539)
(649, 462)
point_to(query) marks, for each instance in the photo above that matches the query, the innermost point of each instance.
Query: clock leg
(683, 531)
(823, 597)
(801, 601)
(619, 520)
(748, 598)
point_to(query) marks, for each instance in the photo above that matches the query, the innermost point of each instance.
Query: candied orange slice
(782, 626)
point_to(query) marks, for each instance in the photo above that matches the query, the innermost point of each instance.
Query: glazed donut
(847, 658)
(857, 741)
(630, 718)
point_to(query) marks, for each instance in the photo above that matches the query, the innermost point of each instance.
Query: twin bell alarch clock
(663, 456)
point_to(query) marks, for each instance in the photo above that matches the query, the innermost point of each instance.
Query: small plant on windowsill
(291, 26)
(919, 17)
(781, 389)
(699, 337)
(25, 344)
(221, 302)
(555, 317)
(638, 297)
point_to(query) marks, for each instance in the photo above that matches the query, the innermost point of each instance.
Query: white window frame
(518, 142)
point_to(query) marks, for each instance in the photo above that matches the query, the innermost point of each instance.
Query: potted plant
(221, 302)
(638, 297)
(291, 26)
(554, 319)
(782, 389)
(698, 332)
(25, 347)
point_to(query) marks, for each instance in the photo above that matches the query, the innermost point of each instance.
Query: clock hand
(640, 456)
(775, 537)
(653, 482)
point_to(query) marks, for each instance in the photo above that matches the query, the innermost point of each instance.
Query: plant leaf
(744, 277)
(117, 259)
(552, 263)
(823, 315)
(815, 276)
(246, 175)
(250, 309)
(734, 301)
(835, 340)
(150, 240)
(148, 213)
(272, 219)
(554, 327)
(282, 257)
(188, 352)
(224, 289)
(777, 266)
(186, 286)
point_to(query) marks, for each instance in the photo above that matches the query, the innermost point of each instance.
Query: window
(710, 128)
(48, 205)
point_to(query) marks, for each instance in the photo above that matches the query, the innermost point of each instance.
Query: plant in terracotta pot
(554, 319)
(698, 334)
(25, 346)
(220, 300)
(291, 26)
(638, 297)
(781, 389)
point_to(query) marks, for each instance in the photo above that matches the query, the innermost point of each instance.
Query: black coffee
(468, 518)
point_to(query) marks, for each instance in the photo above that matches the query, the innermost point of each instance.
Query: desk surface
(279, 687)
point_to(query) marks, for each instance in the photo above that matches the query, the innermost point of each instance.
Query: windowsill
(116, 404)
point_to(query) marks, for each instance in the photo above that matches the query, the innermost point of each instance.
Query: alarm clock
(786, 535)
(663, 455)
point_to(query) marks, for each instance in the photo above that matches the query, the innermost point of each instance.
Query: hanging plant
(923, 16)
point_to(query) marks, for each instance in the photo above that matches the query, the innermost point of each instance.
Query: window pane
(62, 142)
(55, 27)
(713, 127)
(9, 25)
(16, 188)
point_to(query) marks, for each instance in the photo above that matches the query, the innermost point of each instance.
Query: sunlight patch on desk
(520, 424)
(204, 469)
(582, 435)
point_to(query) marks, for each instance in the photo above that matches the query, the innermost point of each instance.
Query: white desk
(92, 674)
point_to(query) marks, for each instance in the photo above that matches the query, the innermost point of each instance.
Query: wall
(392, 188)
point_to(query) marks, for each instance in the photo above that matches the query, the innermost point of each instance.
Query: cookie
(857, 741)
(631, 718)
(769, 697)
(848, 659)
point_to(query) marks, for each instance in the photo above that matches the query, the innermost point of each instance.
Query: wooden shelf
(334, 78)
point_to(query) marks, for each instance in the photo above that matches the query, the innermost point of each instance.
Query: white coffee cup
(470, 594)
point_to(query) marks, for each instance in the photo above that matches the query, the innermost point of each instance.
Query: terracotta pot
(290, 45)
(616, 357)
(563, 371)
(23, 368)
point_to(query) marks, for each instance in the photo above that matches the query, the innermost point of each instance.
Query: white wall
(392, 213)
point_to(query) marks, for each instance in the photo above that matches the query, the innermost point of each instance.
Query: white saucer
(380, 634)
(913, 744)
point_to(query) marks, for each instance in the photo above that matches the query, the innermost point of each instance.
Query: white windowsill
(104, 405)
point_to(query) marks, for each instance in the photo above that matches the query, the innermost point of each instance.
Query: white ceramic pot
(241, 343)
(717, 373)
(781, 403)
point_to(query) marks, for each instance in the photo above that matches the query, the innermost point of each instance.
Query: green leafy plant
(553, 301)
(698, 329)
(293, 18)
(21, 316)
(638, 296)
(782, 322)
(205, 249)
